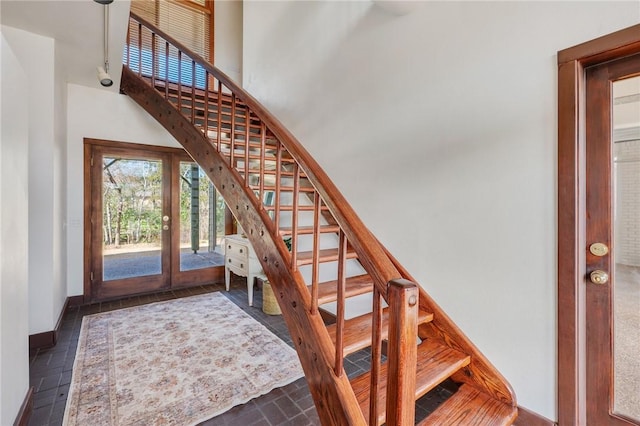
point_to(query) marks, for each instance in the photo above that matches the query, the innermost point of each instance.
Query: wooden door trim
(133, 146)
(571, 209)
(88, 179)
(90, 147)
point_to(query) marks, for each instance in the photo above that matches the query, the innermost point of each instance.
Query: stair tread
(354, 286)
(357, 331)
(470, 407)
(306, 230)
(435, 363)
(325, 255)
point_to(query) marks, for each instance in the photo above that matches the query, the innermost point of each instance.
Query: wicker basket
(269, 303)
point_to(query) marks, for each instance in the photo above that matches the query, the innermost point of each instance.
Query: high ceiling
(77, 27)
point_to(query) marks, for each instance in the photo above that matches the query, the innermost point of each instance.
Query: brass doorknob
(599, 277)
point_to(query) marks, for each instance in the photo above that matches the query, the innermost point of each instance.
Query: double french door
(154, 221)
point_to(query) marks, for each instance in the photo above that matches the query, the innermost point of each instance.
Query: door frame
(93, 226)
(190, 278)
(571, 305)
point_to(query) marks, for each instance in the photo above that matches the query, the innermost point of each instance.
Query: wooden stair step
(357, 331)
(308, 230)
(470, 407)
(435, 363)
(354, 286)
(324, 256)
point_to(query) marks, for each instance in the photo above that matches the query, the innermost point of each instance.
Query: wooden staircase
(276, 190)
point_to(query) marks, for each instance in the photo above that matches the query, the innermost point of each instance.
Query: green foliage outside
(132, 203)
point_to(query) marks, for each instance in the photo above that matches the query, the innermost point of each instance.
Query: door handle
(599, 277)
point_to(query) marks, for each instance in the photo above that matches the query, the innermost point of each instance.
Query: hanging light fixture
(103, 71)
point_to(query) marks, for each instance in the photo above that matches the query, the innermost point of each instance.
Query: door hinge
(92, 161)
(91, 276)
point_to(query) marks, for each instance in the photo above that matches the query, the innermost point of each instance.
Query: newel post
(402, 352)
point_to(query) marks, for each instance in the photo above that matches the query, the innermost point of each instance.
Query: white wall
(98, 114)
(228, 38)
(14, 141)
(46, 196)
(439, 126)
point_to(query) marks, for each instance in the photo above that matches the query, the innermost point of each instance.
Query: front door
(154, 221)
(613, 243)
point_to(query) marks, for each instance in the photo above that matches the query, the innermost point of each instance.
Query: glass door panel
(201, 220)
(626, 253)
(131, 218)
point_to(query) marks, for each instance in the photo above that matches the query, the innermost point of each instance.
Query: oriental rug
(178, 362)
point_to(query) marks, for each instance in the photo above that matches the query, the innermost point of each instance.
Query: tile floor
(51, 369)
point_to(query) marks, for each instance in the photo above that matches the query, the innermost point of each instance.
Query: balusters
(263, 143)
(128, 47)
(233, 131)
(276, 214)
(246, 145)
(342, 259)
(315, 271)
(139, 50)
(206, 104)
(219, 115)
(193, 92)
(376, 356)
(153, 60)
(294, 217)
(166, 71)
(180, 81)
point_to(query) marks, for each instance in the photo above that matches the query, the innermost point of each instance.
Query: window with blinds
(188, 21)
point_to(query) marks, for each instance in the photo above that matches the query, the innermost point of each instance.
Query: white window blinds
(188, 21)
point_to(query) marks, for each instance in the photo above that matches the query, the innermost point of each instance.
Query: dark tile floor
(51, 369)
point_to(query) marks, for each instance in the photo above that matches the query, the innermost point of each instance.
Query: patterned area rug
(178, 362)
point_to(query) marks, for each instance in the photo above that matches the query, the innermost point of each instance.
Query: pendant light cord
(106, 38)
